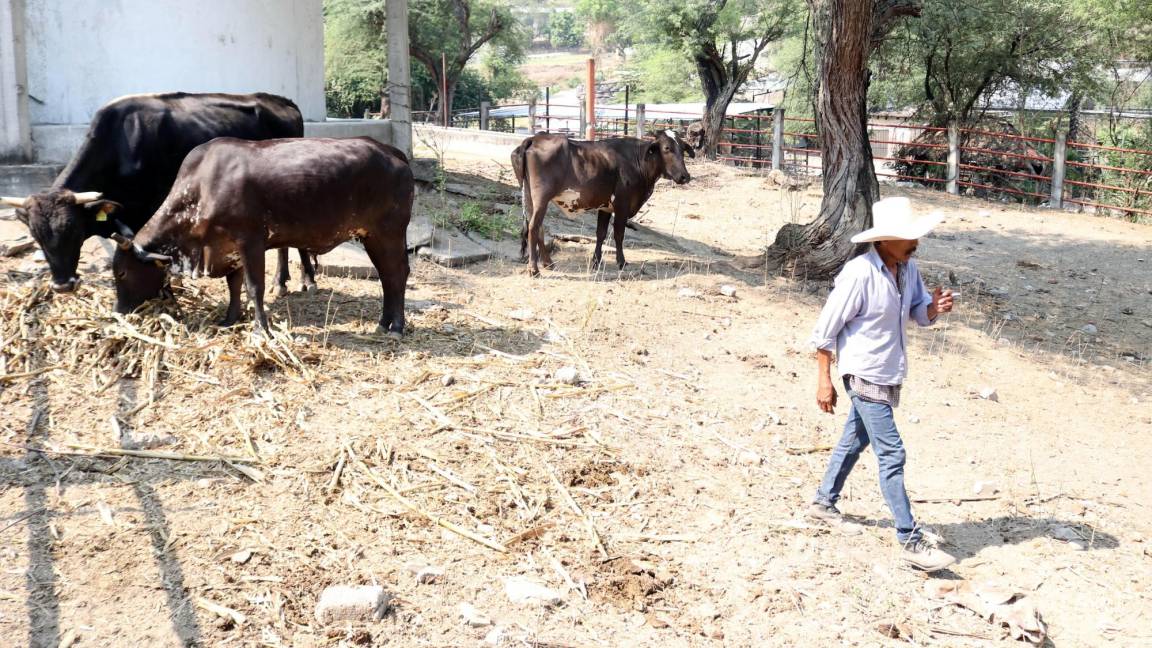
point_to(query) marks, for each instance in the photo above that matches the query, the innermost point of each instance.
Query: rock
(472, 616)
(983, 488)
(241, 557)
(452, 249)
(447, 380)
(428, 575)
(494, 636)
(522, 315)
(1147, 323)
(356, 603)
(568, 376)
(989, 393)
(749, 458)
(688, 293)
(728, 290)
(1089, 329)
(913, 419)
(523, 591)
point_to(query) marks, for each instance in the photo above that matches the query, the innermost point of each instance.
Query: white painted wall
(83, 53)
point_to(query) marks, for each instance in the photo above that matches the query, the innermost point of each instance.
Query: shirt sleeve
(844, 303)
(921, 298)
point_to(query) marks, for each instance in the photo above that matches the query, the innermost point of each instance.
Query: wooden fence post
(1059, 161)
(777, 139)
(485, 106)
(583, 119)
(640, 120)
(953, 158)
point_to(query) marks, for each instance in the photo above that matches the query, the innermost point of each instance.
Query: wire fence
(988, 163)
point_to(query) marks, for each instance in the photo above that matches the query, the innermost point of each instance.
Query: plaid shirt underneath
(873, 393)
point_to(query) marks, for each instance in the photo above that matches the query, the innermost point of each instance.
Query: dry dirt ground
(660, 496)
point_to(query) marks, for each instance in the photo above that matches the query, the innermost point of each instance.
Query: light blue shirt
(865, 317)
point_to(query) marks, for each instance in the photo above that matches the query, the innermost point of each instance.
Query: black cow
(235, 198)
(612, 176)
(126, 166)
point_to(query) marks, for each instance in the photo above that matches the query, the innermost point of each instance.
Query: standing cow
(129, 159)
(614, 177)
(235, 198)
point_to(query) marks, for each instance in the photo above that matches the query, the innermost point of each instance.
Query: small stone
(1147, 323)
(356, 603)
(983, 488)
(989, 393)
(728, 290)
(522, 315)
(1089, 329)
(241, 557)
(1029, 288)
(472, 616)
(688, 293)
(568, 376)
(428, 575)
(494, 636)
(749, 458)
(522, 591)
(447, 380)
(1127, 311)
(913, 419)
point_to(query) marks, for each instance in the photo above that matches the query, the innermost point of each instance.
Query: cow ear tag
(102, 216)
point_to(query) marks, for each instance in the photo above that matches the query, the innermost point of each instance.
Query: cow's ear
(105, 206)
(688, 150)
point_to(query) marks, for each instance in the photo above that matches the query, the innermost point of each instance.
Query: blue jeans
(870, 422)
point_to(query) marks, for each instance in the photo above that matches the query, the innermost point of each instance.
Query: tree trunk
(845, 35)
(715, 111)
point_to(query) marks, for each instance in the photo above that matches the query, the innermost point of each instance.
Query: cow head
(61, 221)
(695, 135)
(139, 274)
(667, 150)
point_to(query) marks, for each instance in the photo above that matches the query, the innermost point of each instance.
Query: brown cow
(614, 177)
(235, 198)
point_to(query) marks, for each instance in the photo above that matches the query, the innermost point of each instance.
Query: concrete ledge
(27, 179)
(378, 129)
(450, 137)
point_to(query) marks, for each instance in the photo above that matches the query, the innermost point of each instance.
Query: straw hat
(893, 219)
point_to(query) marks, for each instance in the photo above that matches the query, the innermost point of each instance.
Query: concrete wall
(83, 53)
(15, 135)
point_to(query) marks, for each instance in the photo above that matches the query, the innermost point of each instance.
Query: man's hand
(826, 396)
(941, 303)
(825, 392)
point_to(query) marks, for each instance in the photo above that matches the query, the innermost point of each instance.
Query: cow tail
(520, 168)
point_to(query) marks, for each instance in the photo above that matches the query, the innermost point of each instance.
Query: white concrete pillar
(15, 130)
(399, 75)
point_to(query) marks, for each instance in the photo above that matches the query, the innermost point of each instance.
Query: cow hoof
(282, 291)
(309, 287)
(388, 333)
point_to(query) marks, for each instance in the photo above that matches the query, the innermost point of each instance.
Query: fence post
(953, 158)
(640, 108)
(532, 116)
(1059, 160)
(777, 139)
(583, 119)
(591, 89)
(485, 106)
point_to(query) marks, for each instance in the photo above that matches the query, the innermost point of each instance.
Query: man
(864, 322)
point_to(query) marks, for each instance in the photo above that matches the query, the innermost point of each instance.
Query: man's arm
(825, 392)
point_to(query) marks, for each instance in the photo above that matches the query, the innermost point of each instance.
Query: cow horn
(12, 202)
(85, 197)
(123, 242)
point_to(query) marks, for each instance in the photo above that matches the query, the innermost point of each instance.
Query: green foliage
(564, 30)
(355, 64)
(474, 216)
(662, 75)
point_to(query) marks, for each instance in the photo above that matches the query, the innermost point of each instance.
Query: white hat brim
(914, 230)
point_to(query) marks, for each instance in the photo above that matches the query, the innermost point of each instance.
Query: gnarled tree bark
(847, 31)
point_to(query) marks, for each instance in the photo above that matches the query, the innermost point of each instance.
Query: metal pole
(777, 139)
(640, 120)
(485, 106)
(583, 117)
(1059, 160)
(953, 158)
(759, 126)
(591, 92)
(627, 90)
(444, 87)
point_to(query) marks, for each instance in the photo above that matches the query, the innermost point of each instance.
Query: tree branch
(885, 14)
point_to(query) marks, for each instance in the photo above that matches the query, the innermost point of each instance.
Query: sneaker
(824, 513)
(922, 555)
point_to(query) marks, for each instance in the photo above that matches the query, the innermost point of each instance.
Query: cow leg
(535, 238)
(282, 275)
(390, 258)
(254, 279)
(602, 218)
(309, 271)
(235, 301)
(618, 225)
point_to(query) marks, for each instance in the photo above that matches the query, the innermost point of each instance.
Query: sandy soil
(690, 447)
